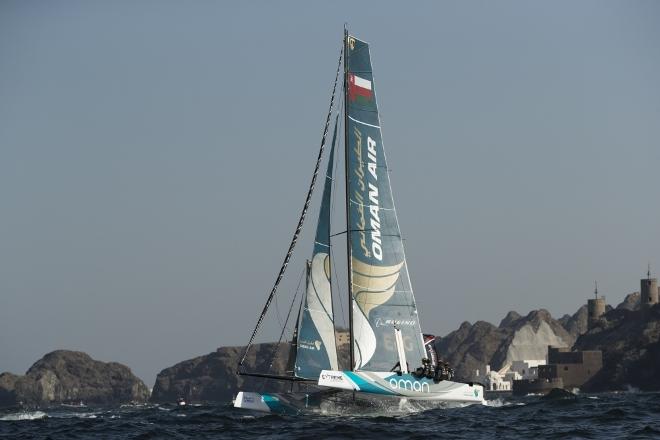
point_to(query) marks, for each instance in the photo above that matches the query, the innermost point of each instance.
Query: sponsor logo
(392, 322)
(369, 188)
(330, 377)
(310, 345)
(476, 392)
(410, 385)
(374, 208)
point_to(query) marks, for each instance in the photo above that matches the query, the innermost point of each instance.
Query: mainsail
(381, 294)
(316, 347)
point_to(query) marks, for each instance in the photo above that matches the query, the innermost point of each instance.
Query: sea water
(612, 416)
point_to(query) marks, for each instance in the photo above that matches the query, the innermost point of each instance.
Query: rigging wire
(277, 313)
(288, 315)
(301, 221)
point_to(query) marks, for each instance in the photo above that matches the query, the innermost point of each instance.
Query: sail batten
(381, 294)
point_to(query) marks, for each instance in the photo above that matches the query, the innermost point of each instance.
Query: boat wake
(379, 406)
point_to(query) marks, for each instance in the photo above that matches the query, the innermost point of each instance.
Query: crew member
(430, 349)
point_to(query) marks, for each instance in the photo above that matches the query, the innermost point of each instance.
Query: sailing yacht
(385, 337)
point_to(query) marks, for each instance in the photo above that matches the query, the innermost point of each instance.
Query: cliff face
(576, 324)
(71, 376)
(630, 342)
(213, 377)
(472, 347)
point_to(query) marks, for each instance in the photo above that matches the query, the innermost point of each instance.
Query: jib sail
(316, 347)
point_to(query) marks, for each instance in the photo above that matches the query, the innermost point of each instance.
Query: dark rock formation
(559, 393)
(509, 319)
(576, 324)
(630, 342)
(213, 378)
(71, 376)
(630, 302)
(472, 347)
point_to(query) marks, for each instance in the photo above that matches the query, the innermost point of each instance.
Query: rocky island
(64, 376)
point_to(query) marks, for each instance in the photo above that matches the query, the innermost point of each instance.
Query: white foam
(495, 403)
(34, 415)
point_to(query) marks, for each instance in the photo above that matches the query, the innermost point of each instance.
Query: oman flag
(359, 89)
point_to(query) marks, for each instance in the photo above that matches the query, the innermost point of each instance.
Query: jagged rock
(472, 347)
(71, 376)
(576, 324)
(630, 342)
(509, 319)
(213, 377)
(630, 302)
(530, 337)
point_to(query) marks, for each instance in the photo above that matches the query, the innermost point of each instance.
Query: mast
(348, 223)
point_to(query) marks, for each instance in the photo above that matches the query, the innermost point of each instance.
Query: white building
(527, 369)
(492, 380)
(502, 380)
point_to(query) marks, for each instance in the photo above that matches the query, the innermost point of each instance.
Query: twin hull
(405, 385)
(385, 384)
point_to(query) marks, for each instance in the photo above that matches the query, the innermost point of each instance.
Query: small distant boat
(385, 334)
(75, 405)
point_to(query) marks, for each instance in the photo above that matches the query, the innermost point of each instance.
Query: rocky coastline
(629, 343)
(628, 337)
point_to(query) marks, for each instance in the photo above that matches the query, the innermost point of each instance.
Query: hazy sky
(154, 157)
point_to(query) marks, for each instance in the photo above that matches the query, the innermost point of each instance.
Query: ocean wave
(611, 415)
(24, 415)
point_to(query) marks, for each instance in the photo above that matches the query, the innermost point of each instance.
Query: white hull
(253, 401)
(282, 403)
(405, 385)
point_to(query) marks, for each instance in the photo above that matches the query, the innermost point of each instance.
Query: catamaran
(385, 337)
